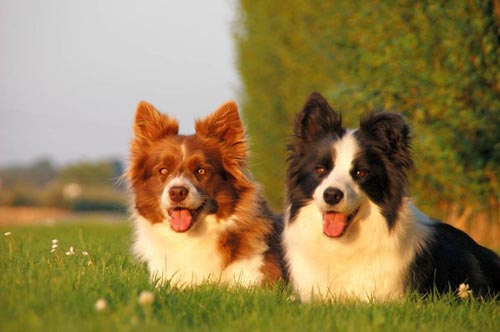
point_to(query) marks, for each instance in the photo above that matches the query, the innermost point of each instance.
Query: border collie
(198, 216)
(352, 232)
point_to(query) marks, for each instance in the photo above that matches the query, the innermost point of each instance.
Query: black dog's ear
(391, 133)
(388, 135)
(317, 119)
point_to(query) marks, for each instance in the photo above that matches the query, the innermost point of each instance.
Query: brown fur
(270, 270)
(219, 146)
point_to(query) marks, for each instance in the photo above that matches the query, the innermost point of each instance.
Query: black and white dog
(352, 231)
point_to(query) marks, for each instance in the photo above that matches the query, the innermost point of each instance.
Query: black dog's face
(341, 170)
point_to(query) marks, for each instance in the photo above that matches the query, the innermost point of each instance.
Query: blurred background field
(44, 193)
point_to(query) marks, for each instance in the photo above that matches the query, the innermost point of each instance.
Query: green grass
(40, 291)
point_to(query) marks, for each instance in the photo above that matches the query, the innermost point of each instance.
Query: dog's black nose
(332, 196)
(178, 193)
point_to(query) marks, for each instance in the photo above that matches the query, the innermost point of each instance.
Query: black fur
(273, 238)
(385, 138)
(317, 120)
(316, 127)
(450, 258)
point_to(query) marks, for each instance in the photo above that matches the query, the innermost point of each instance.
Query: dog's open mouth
(336, 223)
(181, 219)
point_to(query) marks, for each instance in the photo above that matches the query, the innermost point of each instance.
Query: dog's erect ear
(391, 133)
(151, 125)
(225, 127)
(317, 119)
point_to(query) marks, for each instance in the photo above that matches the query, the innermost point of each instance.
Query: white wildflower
(464, 291)
(11, 243)
(55, 245)
(146, 298)
(101, 304)
(71, 251)
(86, 254)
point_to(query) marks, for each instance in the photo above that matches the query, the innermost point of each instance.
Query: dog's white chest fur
(190, 259)
(367, 263)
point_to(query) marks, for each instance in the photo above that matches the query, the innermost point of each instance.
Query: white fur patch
(193, 199)
(346, 150)
(368, 263)
(192, 258)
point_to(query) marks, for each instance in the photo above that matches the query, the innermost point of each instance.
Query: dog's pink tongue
(334, 223)
(180, 220)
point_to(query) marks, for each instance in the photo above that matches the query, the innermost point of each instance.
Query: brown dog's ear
(150, 125)
(225, 127)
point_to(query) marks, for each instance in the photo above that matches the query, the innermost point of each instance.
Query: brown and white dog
(198, 215)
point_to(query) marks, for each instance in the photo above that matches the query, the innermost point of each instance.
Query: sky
(72, 72)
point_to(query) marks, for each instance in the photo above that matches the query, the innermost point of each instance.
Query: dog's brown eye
(320, 170)
(163, 171)
(201, 171)
(361, 173)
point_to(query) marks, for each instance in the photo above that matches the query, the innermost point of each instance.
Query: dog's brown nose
(178, 193)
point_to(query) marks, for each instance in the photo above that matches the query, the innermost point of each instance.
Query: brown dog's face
(181, 179)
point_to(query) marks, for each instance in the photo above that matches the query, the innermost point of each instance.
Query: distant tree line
(436, 62)
(83, 186)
